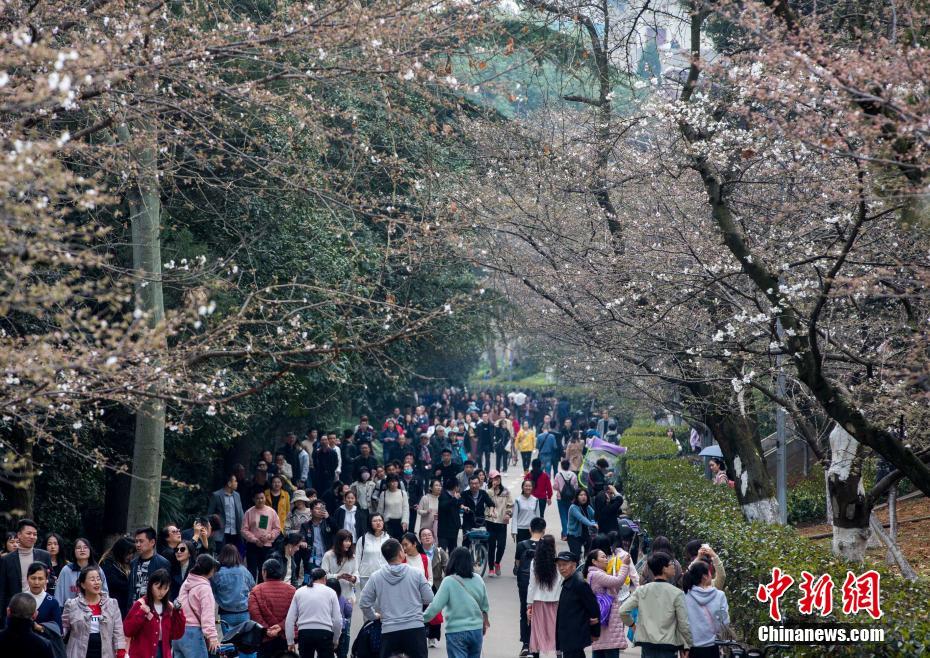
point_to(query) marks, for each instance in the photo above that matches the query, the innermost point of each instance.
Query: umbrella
(711, 451)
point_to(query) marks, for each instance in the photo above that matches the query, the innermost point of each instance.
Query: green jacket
(462, 602)
(662, 619)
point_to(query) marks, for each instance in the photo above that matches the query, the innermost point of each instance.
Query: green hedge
(807, 500)
(670, 496)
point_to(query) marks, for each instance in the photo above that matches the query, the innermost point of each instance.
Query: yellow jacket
(526, 440)
(284, 504)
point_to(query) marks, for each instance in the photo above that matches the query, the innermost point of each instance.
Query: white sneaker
(433, 643)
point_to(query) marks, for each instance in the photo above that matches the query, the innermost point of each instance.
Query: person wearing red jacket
(542, 485)
(154, 619)
(269, 602)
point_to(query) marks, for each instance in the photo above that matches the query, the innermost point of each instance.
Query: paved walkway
(503, 638)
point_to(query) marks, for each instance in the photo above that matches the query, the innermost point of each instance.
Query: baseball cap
(566, 556)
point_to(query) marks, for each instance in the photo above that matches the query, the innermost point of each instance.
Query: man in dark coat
(18, 639)
(449, 522)
(484, 431)
(12, 571)
(578, 617)
(475, 503)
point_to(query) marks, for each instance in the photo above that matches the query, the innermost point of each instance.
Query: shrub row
(670, 496)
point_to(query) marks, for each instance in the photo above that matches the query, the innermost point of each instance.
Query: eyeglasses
(180, 550)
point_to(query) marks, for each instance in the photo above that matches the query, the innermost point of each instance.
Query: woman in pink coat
(613, 635)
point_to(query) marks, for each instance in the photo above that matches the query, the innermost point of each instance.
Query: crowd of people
(373, 517)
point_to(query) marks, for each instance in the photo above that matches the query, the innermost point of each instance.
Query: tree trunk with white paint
(145, 217)
(738, 436)
(848, 501)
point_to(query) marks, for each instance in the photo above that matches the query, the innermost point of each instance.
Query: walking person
(339, 562)
(317, 536)
(115, 565)
(345, 607)
(348, 516)
(463, 600)
(548, 449)
(708, 610)
(269, 603)
(277, 498)
(578, 619)
(227, 503)
(523, 561)
(503, 444)
(260, 527)
(154, 621)
(231, 586)
(13, 566)
(83, 556)
(397, 594)
(662, 627)
(199, 606)
(542, 485)
(428, 509)
(581, 523)
(393, 505)
(370, 557)
(450, 520)
(612, 639)
(184, 557)
(316, 615)
(47, 608)
(18, 637)
(438, 559)
(415, 556)
(660, 544)
(55, 547)
(497, 519)
(525, 508)
(565, 486)
(542, 598)
(526, 443)
(91, 623)
(146, 561)
(300, 512)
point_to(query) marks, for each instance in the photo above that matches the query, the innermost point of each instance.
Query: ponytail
(315, 575)
(694, 575)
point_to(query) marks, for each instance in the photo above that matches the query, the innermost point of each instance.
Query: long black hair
(535, 470)
(158, 577)
(694, 575)
(544, 562)
(460, 563)
(91, 553)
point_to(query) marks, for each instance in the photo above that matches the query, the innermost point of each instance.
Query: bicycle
(478, 545)
(739, 650)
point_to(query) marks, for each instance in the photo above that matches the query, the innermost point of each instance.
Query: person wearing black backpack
(565, 486)
(523, 559)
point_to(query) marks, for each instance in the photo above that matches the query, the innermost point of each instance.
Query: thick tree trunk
(850, 506)
(738, 436)
(145, 217)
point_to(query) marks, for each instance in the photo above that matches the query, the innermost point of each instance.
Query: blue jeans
(342, 651)
(563, 514)
(464, 644)
(229, 620)
(191, 645)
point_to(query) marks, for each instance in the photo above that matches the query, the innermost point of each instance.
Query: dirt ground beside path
(503, 638)
(913, 537)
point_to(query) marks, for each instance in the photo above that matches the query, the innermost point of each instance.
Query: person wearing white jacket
(315, 613)
(368, 549)
(542, 597)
